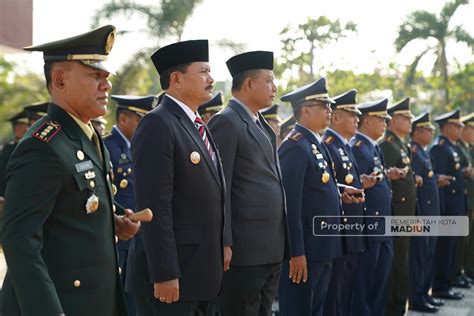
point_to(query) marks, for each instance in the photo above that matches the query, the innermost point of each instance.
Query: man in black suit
(178, 175)
(255, 239)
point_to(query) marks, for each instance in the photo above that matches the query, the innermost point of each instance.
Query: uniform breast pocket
(86, 197)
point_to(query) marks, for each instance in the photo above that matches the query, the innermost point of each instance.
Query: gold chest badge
(349, 178)
(195, 157)
(123, 183)
(325, 177)
(92, 204)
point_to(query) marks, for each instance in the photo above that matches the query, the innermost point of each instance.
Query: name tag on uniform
(83, 166)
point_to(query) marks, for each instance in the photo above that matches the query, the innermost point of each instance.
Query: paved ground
(459, 308)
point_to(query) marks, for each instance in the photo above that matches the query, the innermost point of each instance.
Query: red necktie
(203, 133)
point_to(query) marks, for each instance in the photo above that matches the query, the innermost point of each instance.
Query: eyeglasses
(325, 105)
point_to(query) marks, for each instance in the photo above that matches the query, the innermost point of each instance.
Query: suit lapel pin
(80, 155)
(195, 157)
(92, 204)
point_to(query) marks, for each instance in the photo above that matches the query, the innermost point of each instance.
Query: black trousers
(339, 295)
(147, 306)
(249, 290)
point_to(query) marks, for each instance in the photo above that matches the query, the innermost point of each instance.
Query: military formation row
(239, 216)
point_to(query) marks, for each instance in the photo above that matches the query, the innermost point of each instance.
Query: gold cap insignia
(110, 42)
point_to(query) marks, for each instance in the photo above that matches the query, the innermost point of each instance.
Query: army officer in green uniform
(397, 154)
(59, 231)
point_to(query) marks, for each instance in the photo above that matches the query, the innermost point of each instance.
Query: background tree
(423, 25)
(16, 91)
(300, 44)
(167, 20)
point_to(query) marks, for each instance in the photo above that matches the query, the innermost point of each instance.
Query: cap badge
(110, 42)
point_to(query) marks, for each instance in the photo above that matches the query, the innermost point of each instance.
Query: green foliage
(422, 25)
(462, 89)
(300, 44)
(16, 91)
(168, 18)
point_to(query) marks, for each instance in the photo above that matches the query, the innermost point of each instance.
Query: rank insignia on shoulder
(295, 136)
(47, 131)
(389, 139)
(329, 140)
(358, 143)
(413, 148)
(441, 142)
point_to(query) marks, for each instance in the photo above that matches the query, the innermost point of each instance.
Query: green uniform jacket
(60, 258)
(5, 156)
(397, 154)
(466, 160)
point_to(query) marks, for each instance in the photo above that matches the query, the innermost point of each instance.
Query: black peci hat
(180, 53)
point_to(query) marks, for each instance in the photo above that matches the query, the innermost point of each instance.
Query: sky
(257, 23)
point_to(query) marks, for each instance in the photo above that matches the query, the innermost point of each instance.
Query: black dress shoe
(466, 279)
(424, 308)
(448, 295)
(460, 283)
(434, 301)
(470, 275)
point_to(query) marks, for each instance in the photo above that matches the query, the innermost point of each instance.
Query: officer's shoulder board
(47, 131)
(358, 143)
(294, 135)
(329, 140)
(107, 136)
(389, 138)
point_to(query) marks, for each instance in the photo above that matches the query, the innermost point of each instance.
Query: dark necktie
(380, 154)
(95, 141)
(203, 133)
(260, 125)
